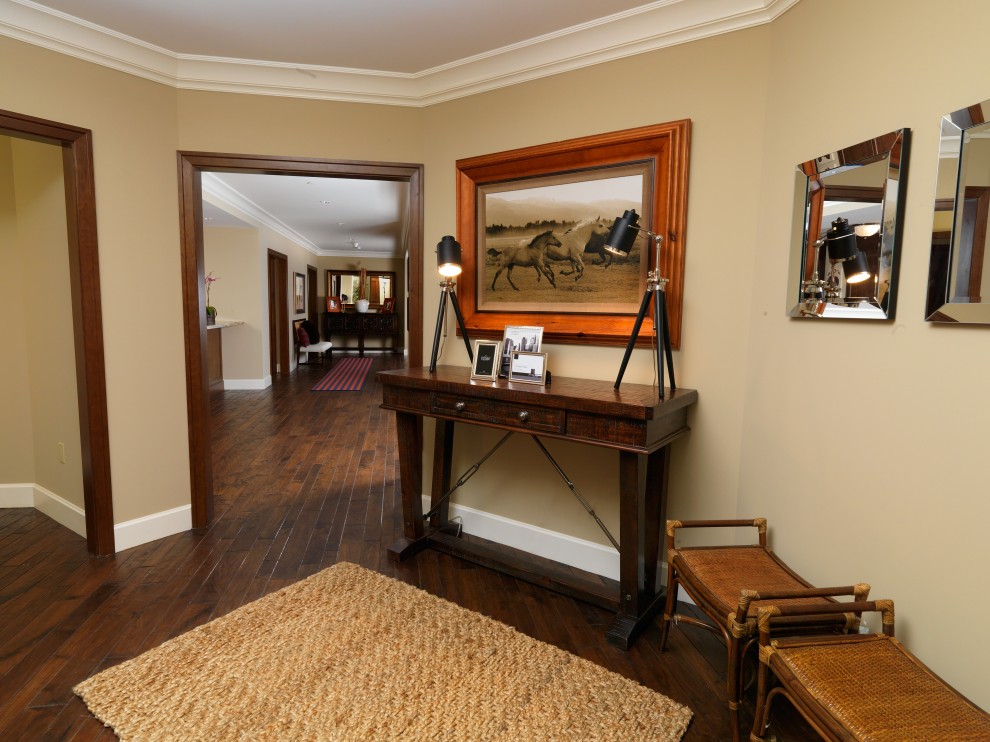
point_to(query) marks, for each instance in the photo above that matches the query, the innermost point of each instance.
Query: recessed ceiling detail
(421, 55)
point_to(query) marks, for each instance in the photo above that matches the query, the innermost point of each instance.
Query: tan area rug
(349, 654)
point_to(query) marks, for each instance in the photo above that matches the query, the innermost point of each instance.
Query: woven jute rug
(349, 654)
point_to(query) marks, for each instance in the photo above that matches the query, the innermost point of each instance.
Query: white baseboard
(152, 527)
(575, 552)
(16, 495)
(45, 501)
(247, 384)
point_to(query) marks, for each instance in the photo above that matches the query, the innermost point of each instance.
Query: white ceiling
(328, 216)
(397, 52)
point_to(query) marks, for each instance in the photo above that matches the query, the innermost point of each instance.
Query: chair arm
(860, 592)
(769, 612)
(759, 523)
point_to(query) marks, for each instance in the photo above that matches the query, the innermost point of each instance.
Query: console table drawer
(499, 413)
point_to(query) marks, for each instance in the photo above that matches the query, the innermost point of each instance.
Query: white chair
(306, 344)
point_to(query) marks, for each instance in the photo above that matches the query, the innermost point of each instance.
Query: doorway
(191, 167)
(87, 315)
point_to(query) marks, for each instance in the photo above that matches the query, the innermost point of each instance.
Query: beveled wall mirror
(958, 270)
(847, 236)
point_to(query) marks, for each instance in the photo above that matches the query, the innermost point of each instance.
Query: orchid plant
(209, 281)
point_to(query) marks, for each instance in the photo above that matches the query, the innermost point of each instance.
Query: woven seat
(730, 583)
(860, 687)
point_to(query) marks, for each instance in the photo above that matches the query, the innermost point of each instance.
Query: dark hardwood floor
(303, 480)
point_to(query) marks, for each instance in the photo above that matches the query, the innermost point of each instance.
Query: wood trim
(84, 277)
(665, 146)
(191, 165)
(278, 312)
(312, 300)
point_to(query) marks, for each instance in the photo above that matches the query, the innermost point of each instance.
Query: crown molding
(655, 26)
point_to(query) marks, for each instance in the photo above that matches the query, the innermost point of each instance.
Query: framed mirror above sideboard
(379, 286)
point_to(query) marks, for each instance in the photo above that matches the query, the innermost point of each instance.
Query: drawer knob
(459, 407)
(524, 416)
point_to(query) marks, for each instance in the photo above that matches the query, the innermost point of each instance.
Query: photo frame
(519, 337)
(499, 199)
(529, 368)
(334, 304)
(487, 359)
(298, 293)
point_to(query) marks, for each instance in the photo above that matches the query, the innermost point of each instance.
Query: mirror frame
(331, 273)
(952, 150)
(892, 147)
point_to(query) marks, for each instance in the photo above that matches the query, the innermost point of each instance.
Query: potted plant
(211, 311)
(361, 296)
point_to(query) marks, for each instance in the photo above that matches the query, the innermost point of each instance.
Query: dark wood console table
(351, 324)
(633, 420)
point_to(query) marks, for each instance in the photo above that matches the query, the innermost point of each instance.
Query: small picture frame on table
(487, 357)
(517, 337)
(530, 368)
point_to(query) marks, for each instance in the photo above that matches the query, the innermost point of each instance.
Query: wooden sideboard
(632, 420)
(356, 324)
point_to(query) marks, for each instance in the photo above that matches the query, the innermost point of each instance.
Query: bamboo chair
(728, 584)
(858, 687)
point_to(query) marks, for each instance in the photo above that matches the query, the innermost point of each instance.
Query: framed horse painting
(532, 225)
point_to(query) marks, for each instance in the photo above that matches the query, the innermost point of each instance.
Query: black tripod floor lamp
(620, 238)
(448, 266)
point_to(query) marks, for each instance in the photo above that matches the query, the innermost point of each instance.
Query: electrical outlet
(61, 452)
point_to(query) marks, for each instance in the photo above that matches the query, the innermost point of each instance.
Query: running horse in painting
(534, 254)
(590, 235)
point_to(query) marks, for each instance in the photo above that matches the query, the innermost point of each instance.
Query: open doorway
(191, 167)
(87, 317)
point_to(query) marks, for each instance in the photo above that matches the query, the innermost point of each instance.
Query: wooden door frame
(312, 298)
(278, 313)
(87, 315)
(191, 166)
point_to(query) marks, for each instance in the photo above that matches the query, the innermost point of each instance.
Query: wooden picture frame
(657, 154)
(388, 306)
(528, 368)
(298, 293)
(334, 304)
(487, 359)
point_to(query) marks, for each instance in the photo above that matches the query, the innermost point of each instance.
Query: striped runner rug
(347, 375)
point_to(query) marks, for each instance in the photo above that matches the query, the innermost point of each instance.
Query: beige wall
(883, 481)
(235, 255)
(17, 430)
(904, 495)
(41, 319)
(134, 143)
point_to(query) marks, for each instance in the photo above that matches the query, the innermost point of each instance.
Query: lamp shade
(448, 256)
(841, 240)
(856, 269)
(843, 248)
(623, 233)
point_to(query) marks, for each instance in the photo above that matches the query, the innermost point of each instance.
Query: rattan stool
(727, 582)
(859, 687)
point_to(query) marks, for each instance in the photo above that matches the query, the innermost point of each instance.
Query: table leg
(409, 432)
(642, 502)
(443, 446)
